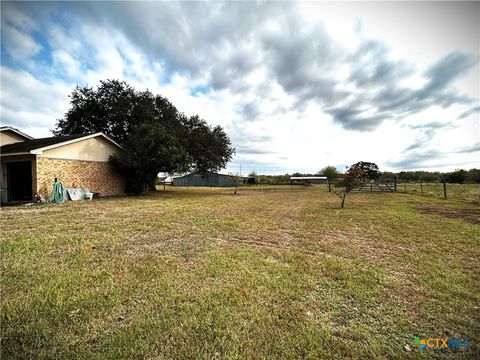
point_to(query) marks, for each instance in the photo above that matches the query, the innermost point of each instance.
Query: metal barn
(307, 180)
(207, 179)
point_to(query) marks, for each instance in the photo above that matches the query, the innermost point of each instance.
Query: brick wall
(97, 176)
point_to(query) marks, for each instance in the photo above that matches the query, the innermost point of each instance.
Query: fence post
(395, 183)
(421, 186)
(444, 189)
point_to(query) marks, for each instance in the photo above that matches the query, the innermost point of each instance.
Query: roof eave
(18, 132)
(17, 153)
(40, 150)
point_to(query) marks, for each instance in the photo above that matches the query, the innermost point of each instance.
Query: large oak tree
(155, 136)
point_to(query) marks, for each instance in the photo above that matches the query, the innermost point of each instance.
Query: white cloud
(28, 102)
(19, 44)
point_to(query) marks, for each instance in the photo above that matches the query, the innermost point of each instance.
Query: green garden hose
(58, 193)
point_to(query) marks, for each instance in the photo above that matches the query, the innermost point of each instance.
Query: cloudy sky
(297, 86)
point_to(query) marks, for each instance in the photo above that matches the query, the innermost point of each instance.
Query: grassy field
(268, 273)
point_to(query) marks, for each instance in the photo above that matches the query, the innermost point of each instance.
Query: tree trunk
(329, 189)
(343, 202)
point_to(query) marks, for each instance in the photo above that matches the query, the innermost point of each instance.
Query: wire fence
(465, 192)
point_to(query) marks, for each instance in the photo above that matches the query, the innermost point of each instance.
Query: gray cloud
(250, 111)
(415, 145)
(469, 149)
(248, 149)
(447, 69)
(372, 68)
(303, 61)
(229, 72)
(428, 131)
(256, 138)
(248, 143)
(400, 102)
(430, 125)
(422, 140)
(469, 112)
(417, 160)
(352, 118)
(428, 159)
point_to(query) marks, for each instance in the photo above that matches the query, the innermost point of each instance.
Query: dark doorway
(19, 181)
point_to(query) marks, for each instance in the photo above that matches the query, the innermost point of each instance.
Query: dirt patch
(471, 215)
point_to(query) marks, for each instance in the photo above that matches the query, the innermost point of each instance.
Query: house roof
(15, 130)
(37, 146)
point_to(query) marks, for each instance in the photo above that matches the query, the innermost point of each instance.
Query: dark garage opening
(19, 181)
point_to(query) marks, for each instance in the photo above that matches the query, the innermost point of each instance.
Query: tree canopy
(155, 136)
(368, 170)
(331, 174)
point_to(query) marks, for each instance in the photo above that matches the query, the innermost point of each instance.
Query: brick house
(29, 166)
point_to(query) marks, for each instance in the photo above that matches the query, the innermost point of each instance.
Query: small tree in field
(237, 180)
(343, 185)
(331, 174)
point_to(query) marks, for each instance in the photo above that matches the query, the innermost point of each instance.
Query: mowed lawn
(269, 273)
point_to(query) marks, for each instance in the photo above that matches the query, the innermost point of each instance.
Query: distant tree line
(458, 176)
